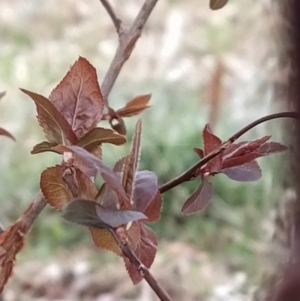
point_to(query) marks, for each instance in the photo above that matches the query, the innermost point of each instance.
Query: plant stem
(142, 269)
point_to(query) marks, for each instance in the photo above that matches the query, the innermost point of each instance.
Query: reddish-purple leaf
(78, 97)
(101, 193)
(4, 132)
(247, 151)
(97, 136)
(199, 152)
(145, 251)
(154, 207)
(109, 199)
(135, 106)
(146, 196)
(244, 173)
(116, 218)
(236, 161)
(57, 192)
(119, 165)
(131, 162)
(243, 148)
(211, 142)
(54, 188)
(91, 165)
(83, 159)
(55, 126)
(199, 199)
(44, 146)
(91, 214)
(271, 148)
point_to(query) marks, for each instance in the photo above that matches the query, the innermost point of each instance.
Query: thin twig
(142, 269)
(127, 42)
(117, 21)
(33, 210)
(12, 239)
(188, 175)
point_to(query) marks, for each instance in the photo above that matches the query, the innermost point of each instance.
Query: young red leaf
(118, 167)
(44, 146)
(244, 148)
(131, 163)
(97, 136)
(56, 128)
(236, 161)
(145, 251)
(103, 239)
(109, 199)
(83, 212)
(135, 106)
(91, 165)
(244, 173)
(247, 151)
(86, 186)
(91, 214)
(146, 197)
(78, 97)
(217, 4)
(199, 152)
(4, 132)
(211, 142)
(101, 193)
(199, 199)
(54, 188)
(154, 207)
(116, 218)
(271, 148)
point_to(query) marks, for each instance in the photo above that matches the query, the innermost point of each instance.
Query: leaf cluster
(128, 197)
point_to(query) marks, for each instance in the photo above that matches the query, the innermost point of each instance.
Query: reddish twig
(12, 239)
(142, 269)
(189, 174)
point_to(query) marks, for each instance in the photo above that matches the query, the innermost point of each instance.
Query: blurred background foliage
(200, 66)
